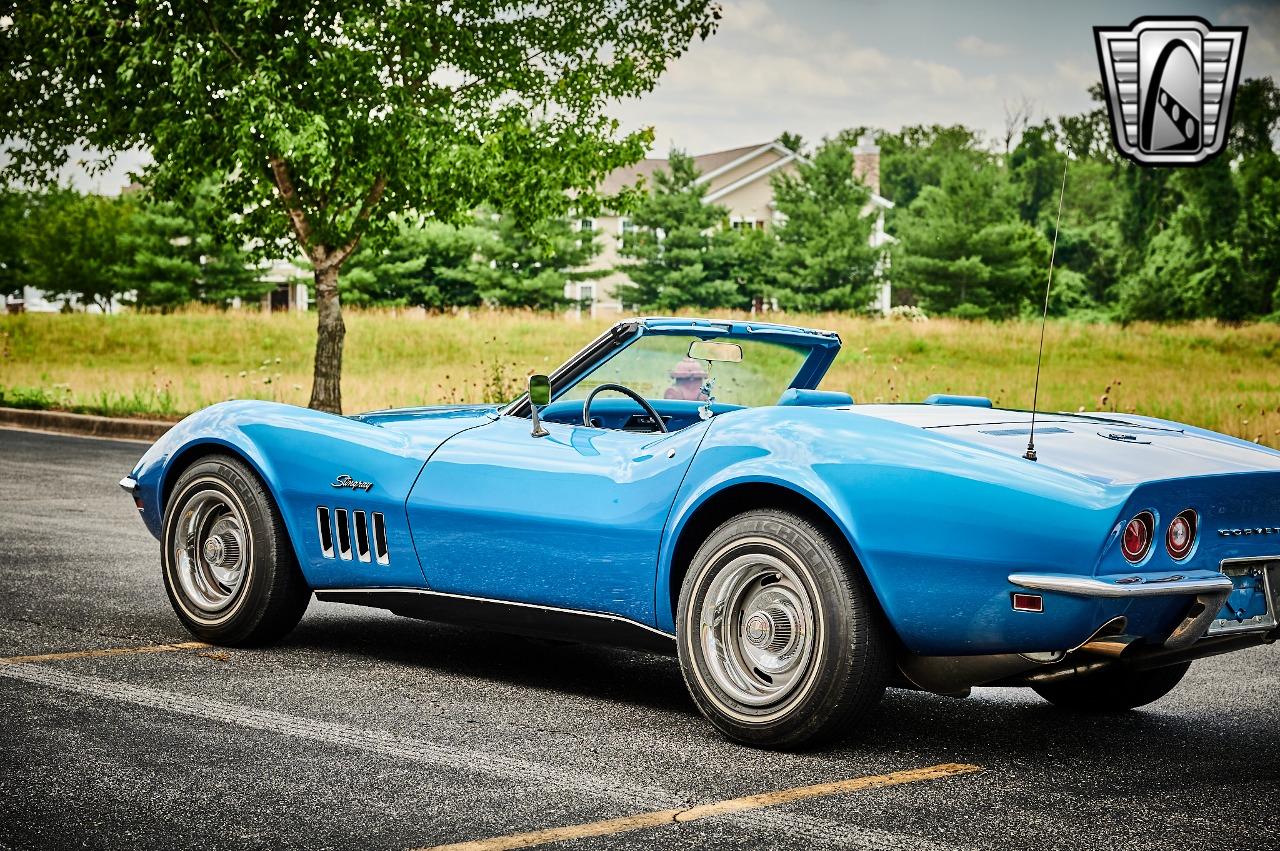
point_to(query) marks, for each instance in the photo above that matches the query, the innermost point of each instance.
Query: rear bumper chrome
(1123, 586)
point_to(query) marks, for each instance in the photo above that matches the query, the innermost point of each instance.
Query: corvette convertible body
(683, 485)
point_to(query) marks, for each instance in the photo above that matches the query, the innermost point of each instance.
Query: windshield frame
(823, 347)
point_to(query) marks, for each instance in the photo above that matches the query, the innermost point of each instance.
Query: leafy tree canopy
(324, 119)
(172, 255)
(680, 257)
(72, 245)
(518, 265)
(965, 250)
(824, 260)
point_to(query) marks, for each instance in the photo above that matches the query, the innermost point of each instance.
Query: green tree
(916, 157)
(679, 255)
(791, 141)
(1255, 124)
(749, 263)
(172, 255)
(13, 223)
(1035, 172)
(1255, 117)
(415, 266)
(824, 260)
(160, 263)
(964, 249)
(1258, 228)
(1091, 254)
(72, 245)
(1088, 135)
(1211, 246)
(324, 119)
(518, 265)
(1181, 278)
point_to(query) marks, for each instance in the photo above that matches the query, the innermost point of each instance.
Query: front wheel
(229, 568)
(780, 641)
(1114, 690)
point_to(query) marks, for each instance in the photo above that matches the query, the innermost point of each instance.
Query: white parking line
(460, 758)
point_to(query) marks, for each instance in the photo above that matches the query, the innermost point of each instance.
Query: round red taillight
(1181, 535)
(1136, 540)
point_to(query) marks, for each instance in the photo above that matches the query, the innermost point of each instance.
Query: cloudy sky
(814, 67)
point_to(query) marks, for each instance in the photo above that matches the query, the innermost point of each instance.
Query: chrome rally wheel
(757, 625)
(212, 545)
(229, 567)
(780, 640)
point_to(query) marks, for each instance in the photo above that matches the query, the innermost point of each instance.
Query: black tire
(1115, 690)
(847, 649)
(255, 599)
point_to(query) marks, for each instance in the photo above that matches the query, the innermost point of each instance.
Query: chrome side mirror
(539, 396)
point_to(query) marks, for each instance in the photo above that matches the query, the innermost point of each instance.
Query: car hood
(1107, 448)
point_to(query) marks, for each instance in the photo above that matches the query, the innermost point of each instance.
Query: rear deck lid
(1105, 449)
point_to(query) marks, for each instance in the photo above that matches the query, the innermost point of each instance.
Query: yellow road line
(657, 818)
(111, 651)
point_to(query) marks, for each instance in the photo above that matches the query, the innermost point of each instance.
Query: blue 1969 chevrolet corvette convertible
(682, 484)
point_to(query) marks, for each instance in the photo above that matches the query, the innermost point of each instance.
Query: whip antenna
(1030, 454)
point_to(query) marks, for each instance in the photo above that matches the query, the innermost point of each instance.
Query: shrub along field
(1219, 377)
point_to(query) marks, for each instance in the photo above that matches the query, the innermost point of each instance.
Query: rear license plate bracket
(1251, 606)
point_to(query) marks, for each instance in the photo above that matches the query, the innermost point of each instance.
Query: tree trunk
(326, 385)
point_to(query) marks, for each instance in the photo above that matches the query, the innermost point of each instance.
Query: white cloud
(1262, 44)
(763, 73)
(972, 45)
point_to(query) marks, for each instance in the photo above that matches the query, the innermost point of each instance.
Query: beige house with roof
(738, 179)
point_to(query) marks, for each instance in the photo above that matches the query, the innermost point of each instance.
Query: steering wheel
(625, 391)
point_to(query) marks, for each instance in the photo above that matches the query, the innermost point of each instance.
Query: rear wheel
(1114, 690)
(780, 642)
(229, 568)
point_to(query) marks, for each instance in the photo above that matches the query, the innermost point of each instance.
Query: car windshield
(659, 366)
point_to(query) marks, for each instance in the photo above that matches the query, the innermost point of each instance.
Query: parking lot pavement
(371, 731)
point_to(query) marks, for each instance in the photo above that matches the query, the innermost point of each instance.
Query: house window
(742, 223)
(588, 225)
(587, 293)
(625, 228)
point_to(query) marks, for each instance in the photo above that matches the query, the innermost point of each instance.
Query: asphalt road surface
(365, 730)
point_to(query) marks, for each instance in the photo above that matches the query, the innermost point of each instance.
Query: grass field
(1222, 378)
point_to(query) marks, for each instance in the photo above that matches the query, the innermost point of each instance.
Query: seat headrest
(815, 398)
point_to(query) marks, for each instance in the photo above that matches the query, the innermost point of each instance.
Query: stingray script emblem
(345, 481)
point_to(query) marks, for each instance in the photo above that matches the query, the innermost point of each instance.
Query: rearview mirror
(539, 395)
(713, 351)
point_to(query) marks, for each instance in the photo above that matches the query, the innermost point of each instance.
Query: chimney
(866, 162)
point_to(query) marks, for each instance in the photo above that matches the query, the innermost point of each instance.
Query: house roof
(712, 165)
(716, 160)
(619, 178)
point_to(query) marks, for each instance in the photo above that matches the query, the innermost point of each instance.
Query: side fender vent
(326, 531)
(362, 535)
(339, 529)
(344, 535)
(380, 538)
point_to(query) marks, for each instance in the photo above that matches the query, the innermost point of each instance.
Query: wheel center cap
(214, 551)
(770, 629)
(222, 551)
(759, 628)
